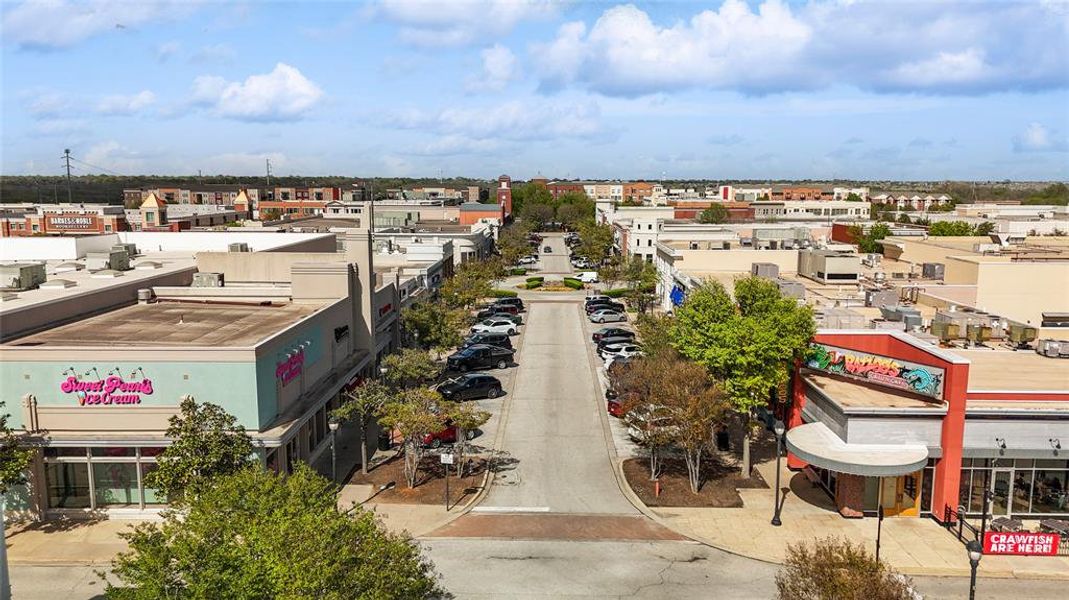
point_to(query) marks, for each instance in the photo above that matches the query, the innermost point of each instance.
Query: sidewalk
(66, 542)
(914, 546)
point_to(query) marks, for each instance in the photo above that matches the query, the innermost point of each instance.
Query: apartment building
(217, 194)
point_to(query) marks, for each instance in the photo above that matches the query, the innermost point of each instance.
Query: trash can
(723, 440)
(384, 440)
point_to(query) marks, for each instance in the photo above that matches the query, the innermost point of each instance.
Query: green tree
(537, 215)
(465, 417)
(524, 194)
(612, 271)
(595, 241)
(853, 197)
(867, 239)
(951, 229)
(257, 534)
(837, 569)
(414, 414)
(655, 331)
(410, 367)
(985, 228)
(467, 286)
(904, 219)
(360, 406)
(748, 343)
(641, 279)
(1055, 193)
(574, 208)
(206, 442)
(435, 325)
(512, 243)
(716, 213)
(14, 456)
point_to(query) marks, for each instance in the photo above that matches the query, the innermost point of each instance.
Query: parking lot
(625, 447)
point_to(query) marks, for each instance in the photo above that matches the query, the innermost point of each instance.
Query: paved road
(556, 261)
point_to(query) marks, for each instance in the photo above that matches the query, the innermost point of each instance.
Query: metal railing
(966, 532)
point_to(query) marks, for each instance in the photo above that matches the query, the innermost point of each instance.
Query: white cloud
(513, 121)
(455, 144)
(284, 94)
(945, 47)
(1037, 138)
(51, 24)
(499, 68)
(113, 156)
(432, 23)
(61, 127)
(45, 104)
(166, 50)
(214, 54)
(125, 104)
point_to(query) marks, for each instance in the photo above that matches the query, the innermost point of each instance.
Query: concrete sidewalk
(66, 542)
(914, 546)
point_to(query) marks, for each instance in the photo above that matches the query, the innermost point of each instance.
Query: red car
(613, 404)
(445, 436)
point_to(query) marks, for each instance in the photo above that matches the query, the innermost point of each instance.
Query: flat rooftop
(1024, 370)
(165, 324)
(851, 393)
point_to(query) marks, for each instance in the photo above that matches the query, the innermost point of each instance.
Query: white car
(588, 277)
(527, 260)
(495, 325)
(620, 351)
(606, 316)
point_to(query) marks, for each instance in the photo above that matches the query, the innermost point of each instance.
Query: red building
(504, 194)
(882, 418)
(63, 219)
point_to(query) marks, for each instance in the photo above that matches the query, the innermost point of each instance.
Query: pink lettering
(111, 390)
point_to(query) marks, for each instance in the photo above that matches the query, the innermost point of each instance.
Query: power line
(109, 171)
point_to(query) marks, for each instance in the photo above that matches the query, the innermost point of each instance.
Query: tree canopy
(716, 213)
(255, 534)
(959, 229)
(866, 240)
(838, 569)
(408, 368)
(435, 325)
(595, 241)
(14, 455)
(207, 442)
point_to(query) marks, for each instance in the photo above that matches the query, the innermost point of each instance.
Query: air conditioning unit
(238, 247)
(977, 333)
(207, 280)
(115, 260)
(130, 249)
(932, 270)
(1021, 335)
(1051, 348)
(945, 331)
(22, 276)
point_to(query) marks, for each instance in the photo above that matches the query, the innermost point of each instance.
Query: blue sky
(717, 90)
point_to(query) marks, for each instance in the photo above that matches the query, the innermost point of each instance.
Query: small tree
(409, 367)
(414, 414)
(612, 271)
(512, 243)
(207, 442)
(716, 213)
(655, 331)
(256, 534)
(14, 456)
(595, 241)
(436, 325)
(837, 569)
(638, 387)
(467, 286)
(361, 405)
(641, 279)
(694, 406)
(537, 215)
(853, 197)
(465, 417)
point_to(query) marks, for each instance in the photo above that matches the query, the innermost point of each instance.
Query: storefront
(883, 419)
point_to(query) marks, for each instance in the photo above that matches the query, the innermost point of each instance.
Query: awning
(819, 446)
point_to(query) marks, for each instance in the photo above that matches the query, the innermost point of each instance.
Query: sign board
(110, 390)
(447, 459)
(881, 370)
(71, 222)
(290, 367)
(1021, 544)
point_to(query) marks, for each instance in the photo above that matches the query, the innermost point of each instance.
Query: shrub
(575, 284)
(533, 284)
(837, 568)
(518, 271)
(537, 278)
(616, 293)
(502, 294)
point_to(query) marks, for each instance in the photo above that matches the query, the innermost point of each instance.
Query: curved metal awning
(819, 446)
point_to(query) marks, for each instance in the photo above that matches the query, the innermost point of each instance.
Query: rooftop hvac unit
(885, 325)
(116, 260)
(128, 248)
(932, 270)
(791, 289)
(881, 298)
(766, 270)
(945, 331)
(1052, 348)
(1053, 319)
(238, 247)
(22, 276)
(207, 280)
(912, 321)
(899, 275)
(977, 333)
(871, 260)
(1021, 335)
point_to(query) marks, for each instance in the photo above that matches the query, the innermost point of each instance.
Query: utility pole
(268, 172)
(67, 157)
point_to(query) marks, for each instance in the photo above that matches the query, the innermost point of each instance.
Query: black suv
(492, 339)
(605, 332)
(479, 356)
(509, 302)
(471, 386)
(607, 304)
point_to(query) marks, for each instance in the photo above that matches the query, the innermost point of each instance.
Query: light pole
(778, 429)
(334, 425)
(976, 552)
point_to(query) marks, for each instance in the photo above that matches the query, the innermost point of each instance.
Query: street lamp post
(334, 425)
(976, 552)
(778, 429)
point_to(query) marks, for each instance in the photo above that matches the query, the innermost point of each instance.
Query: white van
(588, 277)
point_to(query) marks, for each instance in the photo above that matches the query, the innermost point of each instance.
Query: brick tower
(504, 194)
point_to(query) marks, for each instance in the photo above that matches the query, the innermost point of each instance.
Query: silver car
(607, 316)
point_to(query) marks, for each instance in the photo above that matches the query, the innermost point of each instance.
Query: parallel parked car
(493, 339)
(479, 356)
(470, 386)
(445, 436)
(607, 316)
(607, 332)
(495, 325)
(624, 350)
(510, 302)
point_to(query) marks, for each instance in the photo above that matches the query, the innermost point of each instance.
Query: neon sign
(882, 370)
(111, 390)
(291, 367)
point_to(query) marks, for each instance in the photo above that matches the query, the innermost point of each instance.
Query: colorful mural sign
(111, 390)
(1021, 544)
(881, 370)
(291, 367)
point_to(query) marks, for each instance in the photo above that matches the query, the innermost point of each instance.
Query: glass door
(1001, 485)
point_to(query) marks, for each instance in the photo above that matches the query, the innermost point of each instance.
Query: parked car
(504, 308)
(615, 362)
(470, 386)
(479, 356)
(604, 305)
(624, 349)
(492, 339)
(495, 325)
(613, 404)
(607, 316)
(640, 423)
(445, 436)
(510, 302)
(547, 249)
(609, 341)
(596, 298)
(527, 260)
(588, 277)
(607, 332)
(495, 312)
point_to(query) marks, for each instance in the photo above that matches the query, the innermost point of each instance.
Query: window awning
(819, 446)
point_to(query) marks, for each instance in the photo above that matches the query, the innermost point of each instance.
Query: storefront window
(1022, 490)
(1049, 494)
(153, 496)
(114, 451)
(52, 452)
(115, 484)
(68, 485)
(151, 451)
